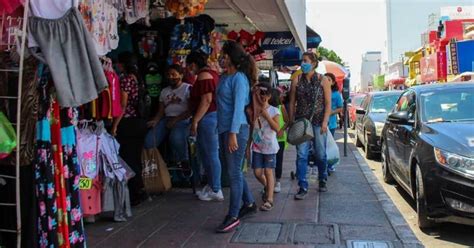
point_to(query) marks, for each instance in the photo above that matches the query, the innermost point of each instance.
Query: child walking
(264, 142)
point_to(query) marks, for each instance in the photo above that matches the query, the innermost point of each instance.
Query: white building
(371, 65)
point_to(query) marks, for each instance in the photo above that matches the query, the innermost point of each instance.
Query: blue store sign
(278, 40)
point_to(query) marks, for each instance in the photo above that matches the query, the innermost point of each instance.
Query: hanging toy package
(7, 137)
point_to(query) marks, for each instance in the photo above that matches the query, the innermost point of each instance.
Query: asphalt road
(446, 235)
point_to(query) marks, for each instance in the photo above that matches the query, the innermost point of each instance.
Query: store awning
(262, 15)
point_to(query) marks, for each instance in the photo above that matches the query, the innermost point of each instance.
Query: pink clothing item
(91, 198)
(112, 106)
(9, 5)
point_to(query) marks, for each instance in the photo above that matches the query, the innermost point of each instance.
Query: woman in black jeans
(130, 127)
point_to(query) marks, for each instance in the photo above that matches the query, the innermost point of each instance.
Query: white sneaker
(204, 190)
(277, 187)
(212, 196)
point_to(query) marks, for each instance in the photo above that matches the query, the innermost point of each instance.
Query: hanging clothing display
(101, 20)
(66, 46)
(136, 10)
(9, 5)
(251, 42)
(57, 174)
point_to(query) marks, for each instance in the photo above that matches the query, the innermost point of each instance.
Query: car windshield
(383, 103)
(448, 105)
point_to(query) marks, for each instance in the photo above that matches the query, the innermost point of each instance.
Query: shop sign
(442, 69)
(465, 56)
(453, 51)
(458, 12)
(429, 68)
(278, 40)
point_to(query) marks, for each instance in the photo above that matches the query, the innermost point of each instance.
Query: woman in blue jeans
(311, 94)
(204, 123)
(173, 116)
(233, 95)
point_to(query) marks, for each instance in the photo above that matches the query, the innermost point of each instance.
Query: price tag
(85, 183)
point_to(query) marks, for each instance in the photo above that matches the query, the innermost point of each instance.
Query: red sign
(429, 68)
(442, 67)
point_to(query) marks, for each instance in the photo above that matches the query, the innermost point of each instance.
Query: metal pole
(18, 120)
(345, 127)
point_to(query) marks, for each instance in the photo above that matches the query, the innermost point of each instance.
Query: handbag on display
(155, 174)
(302, 129)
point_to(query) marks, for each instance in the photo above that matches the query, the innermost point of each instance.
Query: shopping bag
(7, 137)
(332, 151)
(155, 174)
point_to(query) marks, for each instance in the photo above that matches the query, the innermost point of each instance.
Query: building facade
(370, 66)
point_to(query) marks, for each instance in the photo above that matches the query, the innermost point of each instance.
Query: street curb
(398, 223)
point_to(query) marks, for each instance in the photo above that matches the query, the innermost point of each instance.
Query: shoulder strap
(316, 95)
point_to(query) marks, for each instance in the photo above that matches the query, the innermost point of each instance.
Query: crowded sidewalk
(353, 211)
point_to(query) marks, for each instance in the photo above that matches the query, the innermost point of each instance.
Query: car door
(407, 135)
(361, 117)
(401, 138)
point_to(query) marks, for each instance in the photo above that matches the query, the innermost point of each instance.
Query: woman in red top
(204, 123)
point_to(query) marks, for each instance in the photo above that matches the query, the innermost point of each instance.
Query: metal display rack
(18, 98)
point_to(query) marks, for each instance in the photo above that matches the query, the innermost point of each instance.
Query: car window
(358, 100)
(448, 105)
(407, 103)
(383, 103)
(365, 102)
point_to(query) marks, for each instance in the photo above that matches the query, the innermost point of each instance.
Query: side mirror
(400, 118)
(360, 111)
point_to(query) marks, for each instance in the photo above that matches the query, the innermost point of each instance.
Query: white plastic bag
(332, 151)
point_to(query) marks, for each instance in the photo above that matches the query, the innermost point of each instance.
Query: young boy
(264, 142)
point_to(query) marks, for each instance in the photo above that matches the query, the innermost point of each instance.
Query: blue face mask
(306, 67)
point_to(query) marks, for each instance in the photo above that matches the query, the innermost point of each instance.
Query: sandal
(267, 206)
(264, 195)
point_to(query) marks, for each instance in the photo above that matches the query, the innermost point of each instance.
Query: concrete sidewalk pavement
(355, 212)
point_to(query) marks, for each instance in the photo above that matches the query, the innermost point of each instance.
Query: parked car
(371, 119)
(355, 102)
(428, 148)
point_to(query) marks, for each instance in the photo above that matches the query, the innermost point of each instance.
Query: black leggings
(279, 162)
(130, 135)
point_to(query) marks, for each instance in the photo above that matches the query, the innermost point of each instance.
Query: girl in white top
(264, 143)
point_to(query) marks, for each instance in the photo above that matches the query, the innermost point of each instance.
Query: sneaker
(277, 187)
(301, 195)
(331, 169)
(212, 196)
(322, 186)
(204, 190)
(229, 224)
(247, 210)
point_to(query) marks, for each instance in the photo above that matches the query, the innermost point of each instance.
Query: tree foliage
(330, 55)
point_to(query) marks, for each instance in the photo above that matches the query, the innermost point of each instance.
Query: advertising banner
(429, 68)
(465, 56)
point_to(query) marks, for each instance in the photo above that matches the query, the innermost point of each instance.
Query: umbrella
(338, 70)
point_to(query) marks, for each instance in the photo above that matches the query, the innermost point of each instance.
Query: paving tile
(353, 232)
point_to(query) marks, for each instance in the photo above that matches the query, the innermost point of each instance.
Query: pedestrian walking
(129, 128)
(311, 95)
(277, 101)
(233, 95)
(336, 109)
(204, 123)
(264, 143)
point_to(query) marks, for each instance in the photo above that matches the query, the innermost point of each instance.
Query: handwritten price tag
(85, 183)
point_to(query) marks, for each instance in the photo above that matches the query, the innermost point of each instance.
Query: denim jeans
(239, 190)
(333, 131)
(208, 145)
(178, 137)
(319, 145)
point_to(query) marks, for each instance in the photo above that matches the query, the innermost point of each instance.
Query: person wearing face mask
(204, 123)
(311, 94)
(172, 117)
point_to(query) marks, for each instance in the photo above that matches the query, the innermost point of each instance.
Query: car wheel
(423, 221)
(387, 175)
(358, 142)
(369, 154)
